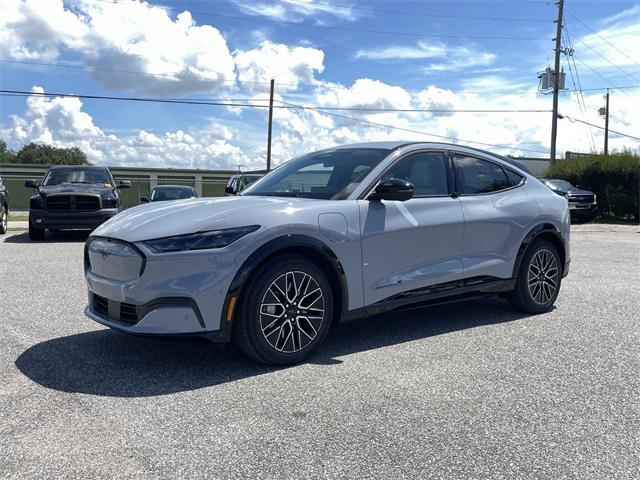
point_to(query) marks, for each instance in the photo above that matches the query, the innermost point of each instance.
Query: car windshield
(96, 176)
(560, 184)
(329, 174)
(172, 193)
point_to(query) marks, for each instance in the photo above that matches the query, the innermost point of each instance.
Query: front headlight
(200, 240)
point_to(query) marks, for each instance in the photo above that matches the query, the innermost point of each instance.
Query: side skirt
(435, 295)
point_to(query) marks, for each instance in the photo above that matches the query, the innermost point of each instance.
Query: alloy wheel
(292, 311)
(543, 276)
(3, 220)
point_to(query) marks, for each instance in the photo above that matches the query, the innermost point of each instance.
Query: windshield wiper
(279, 194)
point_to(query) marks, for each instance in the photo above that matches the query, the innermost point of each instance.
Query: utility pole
(270, 127)
(556, 82)
(606, 125)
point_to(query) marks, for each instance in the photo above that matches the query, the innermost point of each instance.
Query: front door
(412, 244)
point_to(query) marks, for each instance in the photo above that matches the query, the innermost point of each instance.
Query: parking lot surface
(470, 390)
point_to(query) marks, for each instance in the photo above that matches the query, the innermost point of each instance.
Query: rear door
(417, 243)
(497, 215)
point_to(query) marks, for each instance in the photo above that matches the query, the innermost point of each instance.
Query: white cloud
(127, 45)
(298, 10)
(453, 57)
(616, 43)
(36, 30)
(62, 122)
(290, 66)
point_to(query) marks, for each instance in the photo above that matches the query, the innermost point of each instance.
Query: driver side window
(425, 170)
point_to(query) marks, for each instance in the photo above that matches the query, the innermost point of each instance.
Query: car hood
(180, 217)
(577, 191)
(75, 188)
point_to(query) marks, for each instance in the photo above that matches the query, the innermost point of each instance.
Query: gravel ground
(472, 390)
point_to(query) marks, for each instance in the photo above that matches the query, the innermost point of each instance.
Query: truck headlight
(200, 240)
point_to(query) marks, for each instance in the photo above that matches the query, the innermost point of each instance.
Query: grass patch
(18, 218)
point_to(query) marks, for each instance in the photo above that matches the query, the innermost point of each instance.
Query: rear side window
(479, 176)
(514, 178)
(425, 170)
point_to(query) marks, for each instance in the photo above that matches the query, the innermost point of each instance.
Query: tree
(6, 155)
(35, 153)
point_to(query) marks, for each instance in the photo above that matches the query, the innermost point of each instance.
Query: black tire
(542, 294)
(35, 233)
(3, 220)
(291, 337)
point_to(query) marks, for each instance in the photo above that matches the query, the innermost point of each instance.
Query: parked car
(4, 207)
(582, 203)
(73, 198)
(330, 236)
(237, 183)
(162, 193)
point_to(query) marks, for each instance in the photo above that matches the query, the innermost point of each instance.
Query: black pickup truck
(582, 203)
(73, 198)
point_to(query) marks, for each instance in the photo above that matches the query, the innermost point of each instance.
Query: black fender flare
(535, 232)
(285, 242)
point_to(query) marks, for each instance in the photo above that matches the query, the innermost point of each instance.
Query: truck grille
(581, 198)
(73, 203)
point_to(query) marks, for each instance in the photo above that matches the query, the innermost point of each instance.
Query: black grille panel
(101, 304)
(73, 203)
(581, 198)
(128, 312)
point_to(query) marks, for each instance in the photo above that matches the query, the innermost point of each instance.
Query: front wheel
(3, 220)
(285, 312)
(35, 233)
(539, 278)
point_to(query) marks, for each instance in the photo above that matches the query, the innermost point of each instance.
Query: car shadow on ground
(110, 363)
(51, 237)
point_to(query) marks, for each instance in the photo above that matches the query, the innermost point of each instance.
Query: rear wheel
(539, 278)
(285, 312)
(35, 233)
(3, 220)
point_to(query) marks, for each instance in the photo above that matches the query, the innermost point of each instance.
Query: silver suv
(332, 235)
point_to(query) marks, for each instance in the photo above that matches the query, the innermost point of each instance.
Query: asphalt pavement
(471, 390)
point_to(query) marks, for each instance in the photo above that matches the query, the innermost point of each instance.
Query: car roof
(394, 145)
(77, 167)
(173, 186)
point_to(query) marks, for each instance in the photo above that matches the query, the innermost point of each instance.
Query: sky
(446, 59)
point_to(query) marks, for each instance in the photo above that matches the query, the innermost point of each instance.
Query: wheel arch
(546, 231)
(317, 251)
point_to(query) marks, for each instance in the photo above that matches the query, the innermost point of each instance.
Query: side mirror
(32, 184)
(229, 190)
(393, 189)
(144, 200)
(123, 184)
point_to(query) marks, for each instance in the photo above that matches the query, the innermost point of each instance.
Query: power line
(250, 18)
(256, 82)
(578, 88)
(229, 103)
(602, 38)
(601, 76)
(394, 127)
(285, 105)
(571, 119)
(605, 58)
(421, 110)
(419, 14)
(26, 93)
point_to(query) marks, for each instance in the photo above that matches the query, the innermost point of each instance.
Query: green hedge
(614, 178)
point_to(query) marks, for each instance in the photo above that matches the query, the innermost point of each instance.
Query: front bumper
(181, 293)
(42, 218)
(582, 208)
